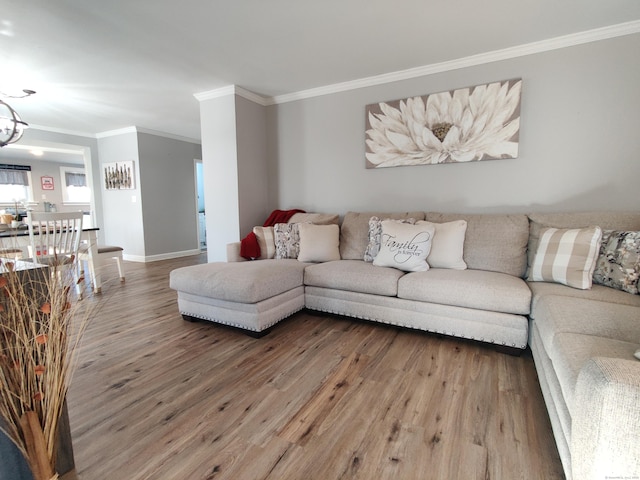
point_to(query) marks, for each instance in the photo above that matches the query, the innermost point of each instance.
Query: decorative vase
(36, 448)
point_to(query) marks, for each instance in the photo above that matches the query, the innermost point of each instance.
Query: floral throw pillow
(618, 265)
(375, 233)
(287, 239)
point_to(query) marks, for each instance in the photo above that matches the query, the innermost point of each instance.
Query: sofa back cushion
(354, 232)
(493, 242)
(605, 220)
(316, 218)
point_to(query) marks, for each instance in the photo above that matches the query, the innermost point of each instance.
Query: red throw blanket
(249, 247)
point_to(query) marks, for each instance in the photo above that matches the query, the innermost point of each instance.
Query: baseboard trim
(160, 256)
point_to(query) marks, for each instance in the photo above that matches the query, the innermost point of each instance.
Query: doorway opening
(202, 224)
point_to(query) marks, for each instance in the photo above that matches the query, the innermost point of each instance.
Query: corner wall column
(234, 161)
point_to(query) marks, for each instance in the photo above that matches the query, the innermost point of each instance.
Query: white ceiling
(104, 65)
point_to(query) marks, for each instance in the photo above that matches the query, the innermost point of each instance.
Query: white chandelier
(11, 125)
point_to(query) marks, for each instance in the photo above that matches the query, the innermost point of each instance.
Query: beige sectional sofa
(583, 344)
(583, 341)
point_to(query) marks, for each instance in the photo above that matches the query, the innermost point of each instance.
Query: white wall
(220, 171)
(235, 166)
(579, 142)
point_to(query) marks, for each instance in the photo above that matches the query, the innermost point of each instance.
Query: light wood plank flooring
(320, 397)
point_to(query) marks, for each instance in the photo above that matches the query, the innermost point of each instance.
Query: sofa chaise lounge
(481, 287)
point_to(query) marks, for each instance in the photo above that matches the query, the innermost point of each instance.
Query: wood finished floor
(320, 397)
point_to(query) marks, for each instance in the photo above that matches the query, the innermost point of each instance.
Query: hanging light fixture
(11, 125)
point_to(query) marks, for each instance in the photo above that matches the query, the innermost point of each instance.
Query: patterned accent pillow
(618, 265)
(566, 256)
(375, 232)
(287, 239)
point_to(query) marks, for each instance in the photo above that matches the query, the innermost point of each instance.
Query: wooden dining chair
(103, 254)
(54, 241)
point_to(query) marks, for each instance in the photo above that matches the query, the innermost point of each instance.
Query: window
(74, 185)
(15, 184)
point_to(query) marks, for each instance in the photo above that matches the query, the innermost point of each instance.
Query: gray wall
(578, 142)
(122, 209)
(252, 164)
(167, 195)
(41, 168)
(41, 138)
(156, 219)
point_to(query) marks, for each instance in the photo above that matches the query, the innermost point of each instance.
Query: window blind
(14, 174)
(75, 179)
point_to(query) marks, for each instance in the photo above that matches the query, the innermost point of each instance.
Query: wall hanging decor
(46, 183)
(464, 125)
(118, 175)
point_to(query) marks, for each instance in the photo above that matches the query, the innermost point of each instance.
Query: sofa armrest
(605, 431)
(233, 252)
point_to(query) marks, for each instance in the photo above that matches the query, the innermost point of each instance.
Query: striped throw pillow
(266, 240)
(566, 256)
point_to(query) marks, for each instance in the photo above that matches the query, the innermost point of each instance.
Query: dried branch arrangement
(41, 325)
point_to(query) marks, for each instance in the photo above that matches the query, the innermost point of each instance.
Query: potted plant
(15, 223)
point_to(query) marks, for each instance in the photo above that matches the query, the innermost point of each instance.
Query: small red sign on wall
(46, 183)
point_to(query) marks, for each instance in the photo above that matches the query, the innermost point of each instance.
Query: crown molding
(232, 90)
(133, 129)
(216, 93)
(253, 97)
(113, 133)
(116, 132)
(168, 135)
(62, 131)
(556, 43)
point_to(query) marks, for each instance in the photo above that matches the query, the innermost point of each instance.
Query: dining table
(18, 239)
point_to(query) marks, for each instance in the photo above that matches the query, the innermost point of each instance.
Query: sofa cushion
(355, 276)
(405, 246)
(555, 314)
(497, 243)
(244, 282)
(319, 243)
(315, 218)
(571, 351)
(354, 231)
(476, 289)
(605, 220)
(566, 256)
(618, 264)
(597, 292)
(486, 326)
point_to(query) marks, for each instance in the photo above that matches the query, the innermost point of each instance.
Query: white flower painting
(464, 125)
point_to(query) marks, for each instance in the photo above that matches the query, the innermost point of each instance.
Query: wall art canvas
(118, 176)
(464, 125)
